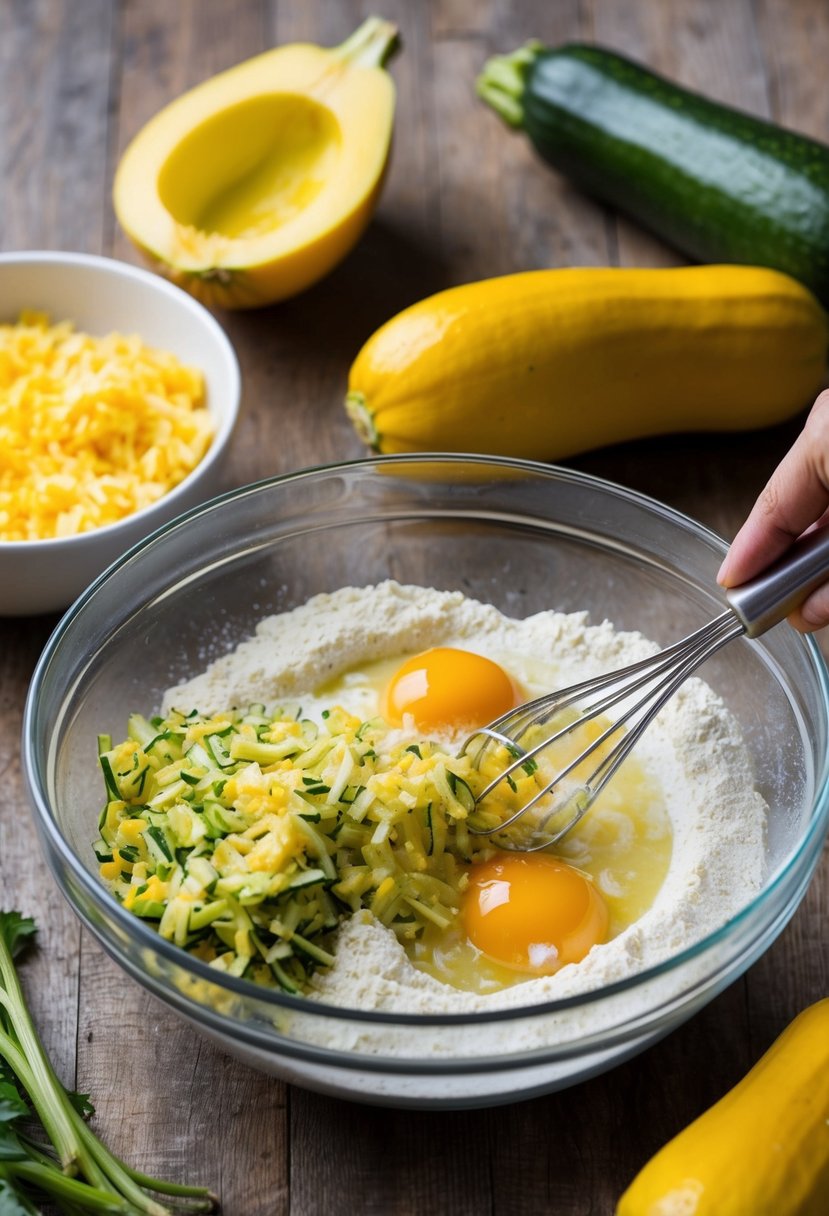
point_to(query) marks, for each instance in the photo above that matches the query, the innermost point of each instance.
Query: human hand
(795, 500)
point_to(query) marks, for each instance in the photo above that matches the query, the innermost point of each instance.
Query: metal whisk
(642, 689)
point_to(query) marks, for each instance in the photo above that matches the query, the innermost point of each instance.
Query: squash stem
(502, 81)
(360, 415)
(371, 45)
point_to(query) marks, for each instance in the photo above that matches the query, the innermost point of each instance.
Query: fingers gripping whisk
(549, 764)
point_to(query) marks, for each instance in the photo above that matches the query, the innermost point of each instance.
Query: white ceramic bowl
(100, 295)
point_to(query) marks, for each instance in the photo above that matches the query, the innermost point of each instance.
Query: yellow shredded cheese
(91, 429)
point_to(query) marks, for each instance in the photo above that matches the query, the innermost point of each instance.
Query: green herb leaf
(10, 1147)
(16, 930)
(101, 1183)
(12, 1203)
(81, 1103)
(12, 1108)
(12, 1105)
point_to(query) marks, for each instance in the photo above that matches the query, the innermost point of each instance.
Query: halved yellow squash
(253, 185)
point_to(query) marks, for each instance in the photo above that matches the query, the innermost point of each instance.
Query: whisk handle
(770, 597)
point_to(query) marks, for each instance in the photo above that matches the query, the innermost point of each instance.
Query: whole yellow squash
(762, 1150)
(549, 363)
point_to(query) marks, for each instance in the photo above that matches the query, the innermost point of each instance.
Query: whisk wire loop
(659, 675)
(755, 606)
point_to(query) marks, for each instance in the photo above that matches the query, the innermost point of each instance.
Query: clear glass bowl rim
(810, 842)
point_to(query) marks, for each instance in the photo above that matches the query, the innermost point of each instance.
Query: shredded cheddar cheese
(91, 429)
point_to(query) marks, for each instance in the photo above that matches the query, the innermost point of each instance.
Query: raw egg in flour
(532, 912)
(448, 687)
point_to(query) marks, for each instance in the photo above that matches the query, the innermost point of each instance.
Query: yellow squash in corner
(254, 184)
(762, 1150)
(549, 363)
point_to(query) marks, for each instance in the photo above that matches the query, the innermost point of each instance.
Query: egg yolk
(532, 912)
(448, 687)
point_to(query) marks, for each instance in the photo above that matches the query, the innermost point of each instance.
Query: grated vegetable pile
(247, 836)
(91, 429)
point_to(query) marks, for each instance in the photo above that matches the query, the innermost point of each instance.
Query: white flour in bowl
(694, 749)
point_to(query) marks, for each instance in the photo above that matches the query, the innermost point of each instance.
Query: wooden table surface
(464, 200)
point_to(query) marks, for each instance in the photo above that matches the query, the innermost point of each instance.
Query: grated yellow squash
(91, 428)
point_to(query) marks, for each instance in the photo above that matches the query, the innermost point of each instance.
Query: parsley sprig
(48, 1153)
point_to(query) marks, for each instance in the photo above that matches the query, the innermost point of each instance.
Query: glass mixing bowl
(523, 536)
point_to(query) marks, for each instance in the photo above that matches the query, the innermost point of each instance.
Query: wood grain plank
(458, 19)
(714, 49)
(173, 1104)
(163, 51)
(710, 48)
(51, 151)
(464, 198)
(50, 974)
(52, 166)
(343, 1157)
(470, 168)
(719, 51)
(502, 210)
(295, 356)
(490, 220)
(795, 971)
(186, 1094)
(386, 1162)
(793, 37)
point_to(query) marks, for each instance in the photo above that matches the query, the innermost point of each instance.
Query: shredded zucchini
(247, 836)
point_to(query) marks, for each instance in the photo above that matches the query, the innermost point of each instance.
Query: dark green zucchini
(718, 184)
